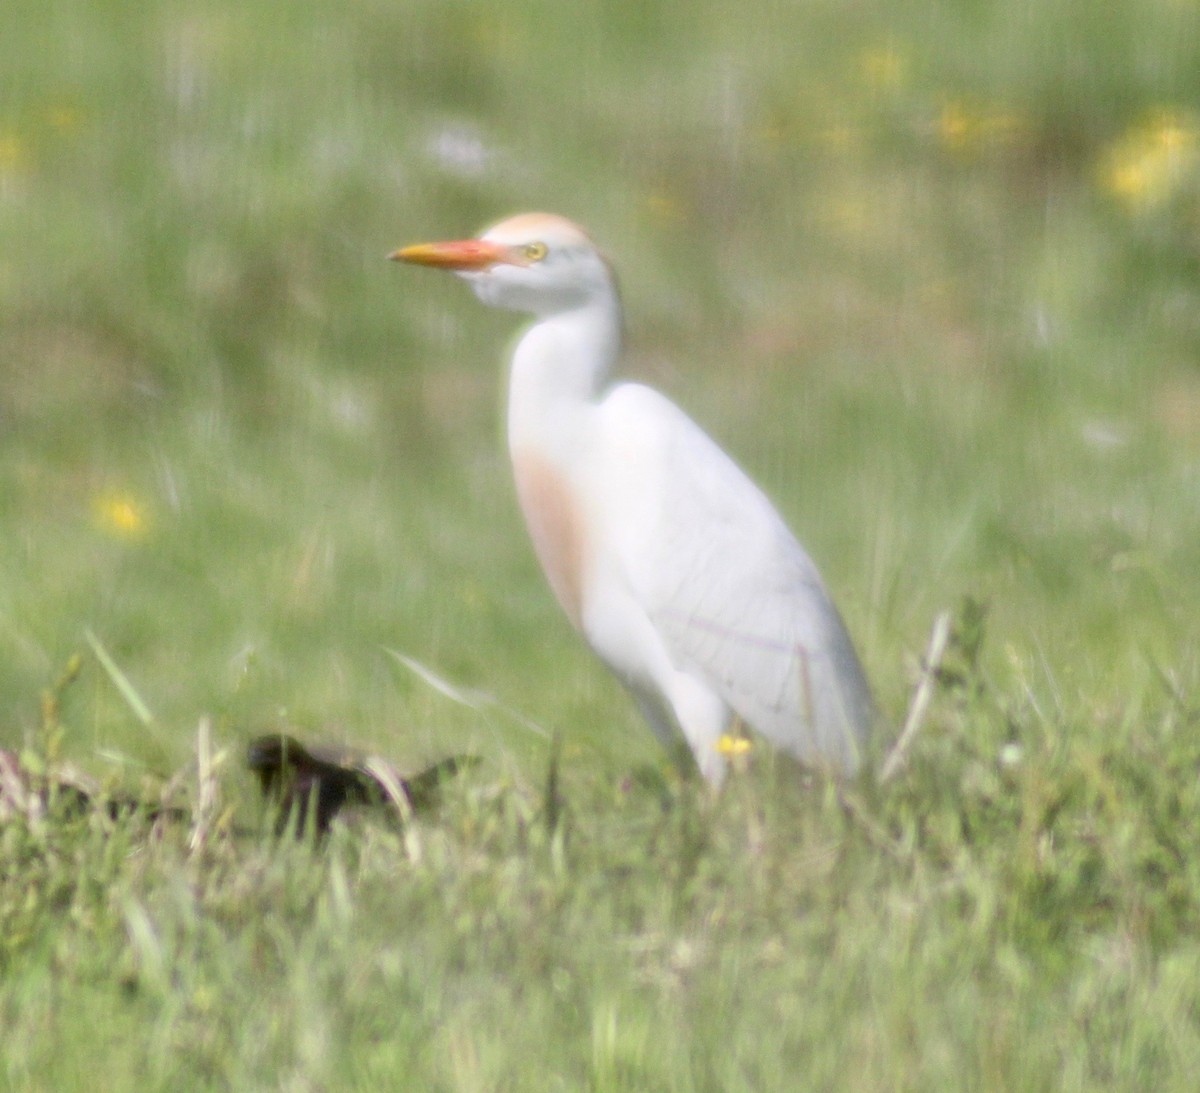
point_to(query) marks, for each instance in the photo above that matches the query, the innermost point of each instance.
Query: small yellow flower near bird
(731, 746)
(120, 515)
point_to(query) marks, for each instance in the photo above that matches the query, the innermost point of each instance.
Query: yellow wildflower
(1148, 164)
(731, 746)
(120, 515)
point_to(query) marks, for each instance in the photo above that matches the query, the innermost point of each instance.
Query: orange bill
(462, 254)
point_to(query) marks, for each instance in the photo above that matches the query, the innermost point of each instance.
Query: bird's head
(535, 262)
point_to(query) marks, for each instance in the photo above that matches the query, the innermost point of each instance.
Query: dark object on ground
(329, 778)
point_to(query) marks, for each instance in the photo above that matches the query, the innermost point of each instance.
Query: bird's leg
(690, 728)
(704, 718)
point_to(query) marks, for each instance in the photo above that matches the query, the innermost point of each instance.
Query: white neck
(559, 368)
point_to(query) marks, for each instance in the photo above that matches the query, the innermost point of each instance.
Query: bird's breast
(556, 525)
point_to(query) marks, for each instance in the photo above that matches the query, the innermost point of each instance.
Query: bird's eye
(534, 252)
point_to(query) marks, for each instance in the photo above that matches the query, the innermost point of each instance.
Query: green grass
(931, 273)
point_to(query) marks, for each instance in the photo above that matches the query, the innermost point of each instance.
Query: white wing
(733, 595)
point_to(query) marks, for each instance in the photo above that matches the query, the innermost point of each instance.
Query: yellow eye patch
(534, 252)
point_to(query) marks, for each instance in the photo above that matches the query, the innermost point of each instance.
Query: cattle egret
(670, 562)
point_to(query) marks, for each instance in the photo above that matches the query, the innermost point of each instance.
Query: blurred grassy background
(929, 270)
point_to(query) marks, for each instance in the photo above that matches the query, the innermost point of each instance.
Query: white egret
(672, 564)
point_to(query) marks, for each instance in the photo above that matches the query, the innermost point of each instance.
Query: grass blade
(920, 703)
(120, 680)
(464, 696)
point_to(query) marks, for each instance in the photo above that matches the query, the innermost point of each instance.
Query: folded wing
(734, 596)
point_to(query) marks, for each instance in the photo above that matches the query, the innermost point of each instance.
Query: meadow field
(930, 271)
